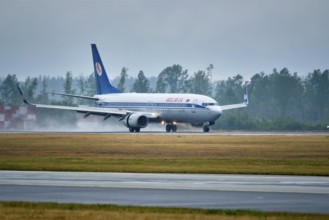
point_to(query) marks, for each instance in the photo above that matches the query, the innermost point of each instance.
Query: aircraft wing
(107, 112)
(234, 106)
(86, 109)
(240, 105)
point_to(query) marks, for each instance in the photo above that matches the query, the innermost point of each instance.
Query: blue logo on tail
(102, 82)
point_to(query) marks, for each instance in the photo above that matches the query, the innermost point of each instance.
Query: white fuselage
(169, 107)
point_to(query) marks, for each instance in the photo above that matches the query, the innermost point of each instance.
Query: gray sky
(237, 36)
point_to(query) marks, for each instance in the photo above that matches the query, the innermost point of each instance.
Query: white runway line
(247, 183)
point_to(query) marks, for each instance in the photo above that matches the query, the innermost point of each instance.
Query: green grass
(26, 210)
(158, 153)
(285, 155)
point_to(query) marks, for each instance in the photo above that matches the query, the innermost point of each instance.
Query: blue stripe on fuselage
(149, 105)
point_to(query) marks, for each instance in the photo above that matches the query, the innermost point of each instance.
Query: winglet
(23, 97)
(245, 96)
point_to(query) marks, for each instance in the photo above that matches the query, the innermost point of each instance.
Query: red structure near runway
(17, 117)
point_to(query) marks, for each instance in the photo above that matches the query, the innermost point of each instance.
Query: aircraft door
(195, 101)
(150, 106)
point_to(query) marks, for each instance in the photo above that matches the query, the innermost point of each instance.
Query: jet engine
(135, 120)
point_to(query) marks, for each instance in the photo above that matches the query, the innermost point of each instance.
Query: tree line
(278, 100)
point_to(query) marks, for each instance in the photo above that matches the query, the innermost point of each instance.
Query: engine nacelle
(135, 121)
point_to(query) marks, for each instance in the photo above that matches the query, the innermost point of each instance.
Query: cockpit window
(209, 104)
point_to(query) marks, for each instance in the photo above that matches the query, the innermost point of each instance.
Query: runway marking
(241, 183)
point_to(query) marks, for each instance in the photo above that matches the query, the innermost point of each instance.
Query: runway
(254, 192)
(181, 132)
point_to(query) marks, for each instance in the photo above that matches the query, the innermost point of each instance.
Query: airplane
(137, 110)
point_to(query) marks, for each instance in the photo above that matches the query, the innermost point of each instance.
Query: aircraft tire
(206, 129)
(174, 128)
(168, 127)
(131, 130)
(137, 129)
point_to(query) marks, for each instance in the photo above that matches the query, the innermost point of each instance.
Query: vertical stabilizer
(102, 82)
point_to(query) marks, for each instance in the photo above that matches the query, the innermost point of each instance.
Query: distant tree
(286, 90)
(229, 91)
(278, 95)
(68, 84)
(82, 84)
(29, 87)
(317, 95)
(175, 79)
(260, 96)
(141, 84)
(68, 88)
(43, 96)
(9, 92)
(209, 73)
(91, 85)
(161, 84)
(153, 81)
(200, 83)
(123, 77)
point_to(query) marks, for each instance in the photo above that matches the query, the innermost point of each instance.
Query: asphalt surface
(255, 192)
(180, 132)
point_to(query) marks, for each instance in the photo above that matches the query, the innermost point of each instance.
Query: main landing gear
(134, 130)
(171, 127)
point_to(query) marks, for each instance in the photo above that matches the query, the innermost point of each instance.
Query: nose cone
(216, 111)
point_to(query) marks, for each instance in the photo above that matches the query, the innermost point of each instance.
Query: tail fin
(102, 82)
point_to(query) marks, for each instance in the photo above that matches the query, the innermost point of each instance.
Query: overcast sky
(236, 36)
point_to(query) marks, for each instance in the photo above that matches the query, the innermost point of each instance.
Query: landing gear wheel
(174, 128)
(206, 129)
(134, 130)
(168, 127)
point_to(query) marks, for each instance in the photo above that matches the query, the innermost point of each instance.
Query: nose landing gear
(205, 129)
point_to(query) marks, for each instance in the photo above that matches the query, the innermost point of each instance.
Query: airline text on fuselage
(174, 100)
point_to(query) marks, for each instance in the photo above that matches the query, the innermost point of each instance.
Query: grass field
(32, 211)
(158, 153)
(287, 155)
